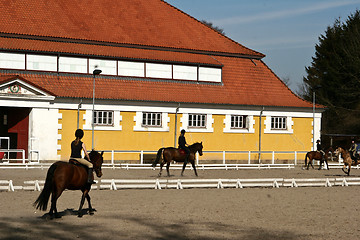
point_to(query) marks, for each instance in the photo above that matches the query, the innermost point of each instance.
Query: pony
(318, 156)
(67, 175)
(348, 162)
(174, 154)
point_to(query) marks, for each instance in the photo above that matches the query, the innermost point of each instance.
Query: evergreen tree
(336, 67)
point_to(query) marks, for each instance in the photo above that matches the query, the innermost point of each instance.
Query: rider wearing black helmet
(182, 145)
(76, 146)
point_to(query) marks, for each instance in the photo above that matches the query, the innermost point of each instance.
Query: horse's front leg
(193, 165)
(85, 192)
(321, 163)
(91, 210)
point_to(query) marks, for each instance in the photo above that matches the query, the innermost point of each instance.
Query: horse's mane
(194, 144)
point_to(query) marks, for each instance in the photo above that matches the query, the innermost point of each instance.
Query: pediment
(20, 88)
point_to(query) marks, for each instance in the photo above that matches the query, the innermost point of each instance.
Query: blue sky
(286, 31)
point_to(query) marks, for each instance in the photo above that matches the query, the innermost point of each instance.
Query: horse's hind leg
(167, 169)
(85, 192)
(161, 166)
(53, 210)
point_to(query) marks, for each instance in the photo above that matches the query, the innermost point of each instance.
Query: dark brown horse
(315, 155)
(64, 175)
(348, 161)
(174, 154)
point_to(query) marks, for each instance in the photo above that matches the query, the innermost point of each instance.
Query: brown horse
(315, 155)
(64, 175)
(174, 154)
(348, 161)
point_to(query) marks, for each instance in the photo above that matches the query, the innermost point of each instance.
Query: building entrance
(14, 123)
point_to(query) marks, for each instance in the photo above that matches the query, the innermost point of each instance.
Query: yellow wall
(128, 139)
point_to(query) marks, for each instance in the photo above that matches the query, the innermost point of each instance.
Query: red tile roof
(105, 51)
(133, 22)
(244, 83)
(137, 29)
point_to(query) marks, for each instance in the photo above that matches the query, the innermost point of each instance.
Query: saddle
(181, 151)
(77, 163)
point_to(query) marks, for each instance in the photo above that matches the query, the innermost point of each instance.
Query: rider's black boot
(90, 176)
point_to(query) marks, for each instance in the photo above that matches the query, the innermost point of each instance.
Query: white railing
(117, 184)
(246, 159)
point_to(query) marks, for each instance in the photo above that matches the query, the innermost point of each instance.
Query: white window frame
(197, 120)
(117, 118)
(238, 121)
(105, 116)
(289, 124)
(152, 119)
(138, 119)
(249, 128)
(209, 121)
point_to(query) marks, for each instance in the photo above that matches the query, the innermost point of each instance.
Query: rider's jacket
(182, 141)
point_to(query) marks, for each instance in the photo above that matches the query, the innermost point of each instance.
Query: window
(238, 121)
(197, 120)
(151, 119)
(103, 118)
(278, 123)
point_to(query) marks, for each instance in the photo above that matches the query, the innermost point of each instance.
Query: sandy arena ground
(248, 213)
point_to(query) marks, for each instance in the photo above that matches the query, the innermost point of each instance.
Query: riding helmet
(79, 133)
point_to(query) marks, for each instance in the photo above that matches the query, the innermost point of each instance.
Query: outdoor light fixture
(95, 72)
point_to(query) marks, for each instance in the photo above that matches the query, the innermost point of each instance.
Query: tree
(211, 25)
(336, 67)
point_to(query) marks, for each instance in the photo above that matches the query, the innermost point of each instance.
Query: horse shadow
(68, 212)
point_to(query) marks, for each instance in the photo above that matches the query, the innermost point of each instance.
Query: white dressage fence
(117, 184)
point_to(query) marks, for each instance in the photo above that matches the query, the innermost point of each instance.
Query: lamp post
(314, 95)
(95, 72)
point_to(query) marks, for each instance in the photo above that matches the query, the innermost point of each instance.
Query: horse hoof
(80, 216)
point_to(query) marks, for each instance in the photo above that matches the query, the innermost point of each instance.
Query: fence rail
(117, 184)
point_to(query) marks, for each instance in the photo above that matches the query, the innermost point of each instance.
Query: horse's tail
(306, 157)
(42, 201)
(158, 156)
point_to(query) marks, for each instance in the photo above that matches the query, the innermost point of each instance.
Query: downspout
(176, 112)
(260, 124)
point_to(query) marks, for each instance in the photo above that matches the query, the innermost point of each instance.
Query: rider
(183, 145)
(352, 150)
(319, 149)
(76, 146)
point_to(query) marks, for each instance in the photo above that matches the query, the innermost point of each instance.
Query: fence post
(197, 158)
(249, 157)
(23, 156)
(142, 157)
(273, 157)
(295, 161)
(112, 158)
(224, 157)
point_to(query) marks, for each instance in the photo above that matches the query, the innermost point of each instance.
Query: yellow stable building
(133, 83)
